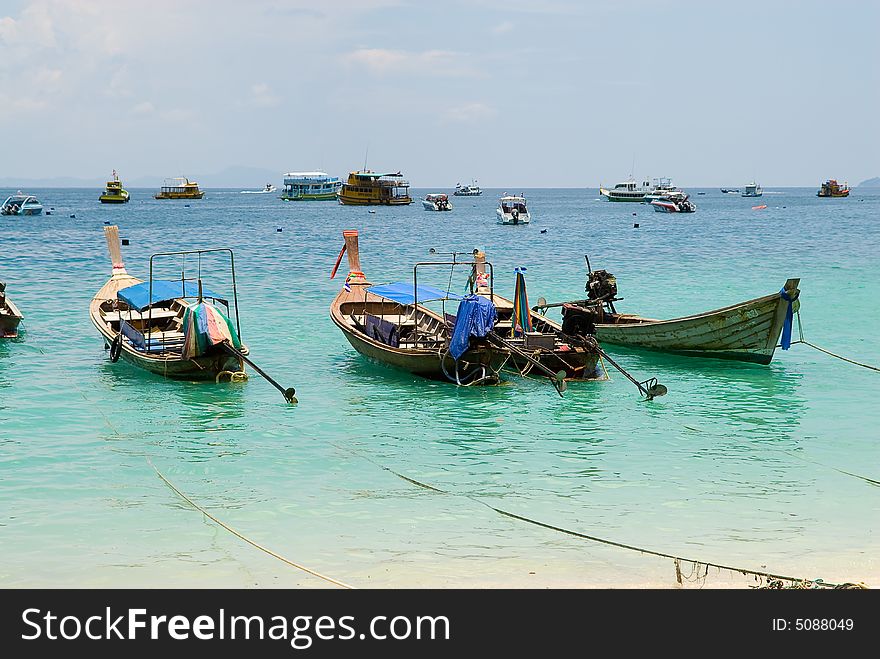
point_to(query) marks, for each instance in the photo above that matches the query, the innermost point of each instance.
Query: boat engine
(601, 286)
(580, 320)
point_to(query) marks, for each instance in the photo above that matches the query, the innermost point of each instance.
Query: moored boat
(310, 186)
(831, 188)
(174, 328)
(21, 204)
(752, 190)
(472, 190)
(626, 191)
(114, 192)
(673, 202)
(180, 188)
(513, 210)
(536, 335)
(366, 188)
(438, 201)
(10, 316)
(662, 187)
(391, 325)
(748, 331)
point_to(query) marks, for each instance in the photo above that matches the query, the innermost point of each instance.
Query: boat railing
(197, 278)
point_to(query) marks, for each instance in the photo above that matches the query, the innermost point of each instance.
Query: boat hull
(174, 195)
(10, 318)
(113, 199)
(610, 195)
(745, 332)
(357, 201)
(507, 218)
(326, 196)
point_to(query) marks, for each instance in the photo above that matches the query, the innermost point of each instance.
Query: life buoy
(116, 348)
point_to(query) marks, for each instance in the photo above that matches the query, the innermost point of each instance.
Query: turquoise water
(739, 464)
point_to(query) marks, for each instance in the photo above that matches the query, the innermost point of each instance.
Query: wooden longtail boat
(388, 324)
(10, 316)
(545, 342)
(148, 323)
(748, 331)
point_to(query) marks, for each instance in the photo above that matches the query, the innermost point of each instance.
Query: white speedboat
(674, 202)
(21, 204)
(512, 210)
(269, 188)
(436, 202)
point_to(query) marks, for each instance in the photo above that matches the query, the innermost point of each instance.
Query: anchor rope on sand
(801, 339)
(773, 580)
(243, 537)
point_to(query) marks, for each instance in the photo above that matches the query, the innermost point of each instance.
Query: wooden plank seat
(158, 314)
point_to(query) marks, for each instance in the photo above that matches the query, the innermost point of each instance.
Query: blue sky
(514, 94)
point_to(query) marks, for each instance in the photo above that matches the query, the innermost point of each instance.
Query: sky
(511, 93)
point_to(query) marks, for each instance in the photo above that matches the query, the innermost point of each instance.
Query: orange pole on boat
(338, 261)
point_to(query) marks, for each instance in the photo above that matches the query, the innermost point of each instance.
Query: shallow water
(738, 465)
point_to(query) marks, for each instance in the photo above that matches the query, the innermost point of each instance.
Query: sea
(378, 478)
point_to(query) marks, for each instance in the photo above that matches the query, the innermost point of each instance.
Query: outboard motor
(601, 286)
(581, 321)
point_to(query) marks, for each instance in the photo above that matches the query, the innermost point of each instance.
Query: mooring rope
(812, 583)
(243, 537)
(801, 339)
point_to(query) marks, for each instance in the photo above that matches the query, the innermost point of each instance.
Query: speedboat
(436, 202)
(269, 188)
(21, 204)
(512, 210)
(674, 202)
(114, 192)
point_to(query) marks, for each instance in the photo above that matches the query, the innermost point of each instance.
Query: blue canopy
(138, 296)
(402, 291)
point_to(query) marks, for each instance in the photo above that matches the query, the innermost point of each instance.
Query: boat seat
(117, 316)
(382, 330)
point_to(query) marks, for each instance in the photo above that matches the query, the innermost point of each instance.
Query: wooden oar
(557, 379)
(289, 393)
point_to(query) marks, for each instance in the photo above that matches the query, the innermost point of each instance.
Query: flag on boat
(522, 316)
(205, 326)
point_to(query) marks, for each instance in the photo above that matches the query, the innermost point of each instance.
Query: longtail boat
(535, 334)
(748, 331)
(10, 316)
(389, 324)
(166, 326)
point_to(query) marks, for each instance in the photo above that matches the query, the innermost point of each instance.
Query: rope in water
(812, 583)
(243, 537)
(801, 339)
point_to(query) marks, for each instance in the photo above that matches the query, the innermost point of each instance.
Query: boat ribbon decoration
(789, 319)
(522, 317)
(476, 316)
(205, 326)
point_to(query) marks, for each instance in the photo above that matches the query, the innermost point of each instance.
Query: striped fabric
(205, 326)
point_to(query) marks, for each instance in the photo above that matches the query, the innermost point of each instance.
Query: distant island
(870, 183)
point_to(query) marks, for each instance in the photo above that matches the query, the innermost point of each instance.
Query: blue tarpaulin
(138, 296)
(476, 317)
(402, 291)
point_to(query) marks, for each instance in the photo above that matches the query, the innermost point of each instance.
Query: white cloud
(262, 96)
(502, 28)
(383, 62)
(143, 108)
(470, 113)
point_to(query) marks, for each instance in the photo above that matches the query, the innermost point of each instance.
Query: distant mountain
(231, 177)
(870, 183)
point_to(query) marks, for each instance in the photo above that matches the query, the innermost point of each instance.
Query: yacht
(180, 188)
(752, 190)
(513, 210)
(662, 187)
(436, 202)
(472, 190)
(629, 190)
(367, 188)
(310, 186)
(21, 204)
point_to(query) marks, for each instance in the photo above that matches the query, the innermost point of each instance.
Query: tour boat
(310, 186)
(180, 188)
(113, 192)
(367, 188)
